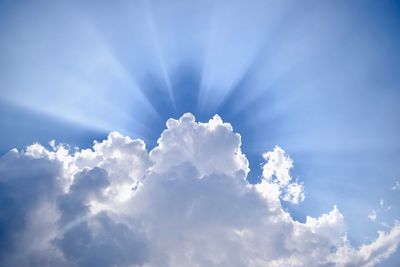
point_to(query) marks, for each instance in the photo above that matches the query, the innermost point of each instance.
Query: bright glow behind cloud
(190, 205)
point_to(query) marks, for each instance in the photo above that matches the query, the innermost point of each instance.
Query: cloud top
(185, 203)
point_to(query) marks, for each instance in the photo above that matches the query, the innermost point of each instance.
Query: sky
(311, 87)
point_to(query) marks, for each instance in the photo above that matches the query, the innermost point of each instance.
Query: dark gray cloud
(26, 183)
(102, 241)
(97, 240)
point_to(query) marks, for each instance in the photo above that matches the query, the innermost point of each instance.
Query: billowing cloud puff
(276, 179)
(185, 203)
(210, 147)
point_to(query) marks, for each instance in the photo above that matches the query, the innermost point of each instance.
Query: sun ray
(150, 21)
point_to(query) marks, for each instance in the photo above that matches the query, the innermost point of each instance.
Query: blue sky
(318, 78)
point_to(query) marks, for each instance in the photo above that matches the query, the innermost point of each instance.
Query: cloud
(276, 179)
(396, 186)
(185, 203)
(210, 147)
(372, 215)
(371, 254)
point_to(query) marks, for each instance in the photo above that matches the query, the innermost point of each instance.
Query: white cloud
(276, 179)
(185, 203)
(383, 206)
(210, 147)
(370, 254)
(396, 186)
(372, 215)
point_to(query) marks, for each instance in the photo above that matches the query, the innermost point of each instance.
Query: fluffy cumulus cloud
(185, 203)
